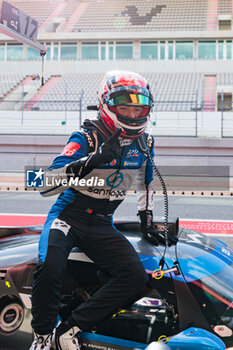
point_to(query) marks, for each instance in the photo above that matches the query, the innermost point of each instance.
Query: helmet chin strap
(142, 145)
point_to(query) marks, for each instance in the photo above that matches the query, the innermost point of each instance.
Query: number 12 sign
(19, 21)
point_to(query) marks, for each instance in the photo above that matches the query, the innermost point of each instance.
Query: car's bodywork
(198, 294)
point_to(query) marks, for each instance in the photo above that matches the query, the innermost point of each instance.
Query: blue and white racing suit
(82, 216)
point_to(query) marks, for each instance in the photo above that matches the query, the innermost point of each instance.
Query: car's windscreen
(218, 289)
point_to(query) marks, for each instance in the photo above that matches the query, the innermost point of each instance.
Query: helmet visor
(144, 110)
(133, 99)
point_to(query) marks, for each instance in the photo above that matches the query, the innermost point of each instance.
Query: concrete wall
(132, 35)
(20, 150)
(143, 66)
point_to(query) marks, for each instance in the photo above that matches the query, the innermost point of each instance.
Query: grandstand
(9, 82)
(183, 48)
(119, 15)
(179, 90)
(139, 16)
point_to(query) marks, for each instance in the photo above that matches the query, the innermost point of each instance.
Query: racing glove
(108, 151)
(150, 233)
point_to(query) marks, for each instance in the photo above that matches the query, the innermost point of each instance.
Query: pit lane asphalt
(185, 207)
(190, 207)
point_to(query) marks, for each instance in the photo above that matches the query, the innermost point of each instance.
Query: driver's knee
(136, 277)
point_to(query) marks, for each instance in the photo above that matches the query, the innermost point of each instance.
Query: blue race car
(188, 305)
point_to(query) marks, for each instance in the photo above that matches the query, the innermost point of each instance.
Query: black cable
(165, 196)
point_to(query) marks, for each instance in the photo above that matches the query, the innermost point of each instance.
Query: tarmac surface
(191, 207)
(185, 207)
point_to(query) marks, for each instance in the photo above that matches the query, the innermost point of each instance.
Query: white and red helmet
(128, 89)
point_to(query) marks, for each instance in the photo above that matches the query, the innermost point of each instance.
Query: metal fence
(54, 109)
(176, 114)
(173, 114)
(225, 106)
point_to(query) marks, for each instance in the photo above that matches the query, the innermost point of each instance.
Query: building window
(90, 51)
(220, 50)
(162, 50)
(229, 49)
(14, 52)
(103, 51)
(55, 51)
(33, 54)
(170, 50)
(184, 49)
(68, 51)
(110, 51)
(48, 52)
(2, 52)
(207, 49)
(149, 49)
(124, 50)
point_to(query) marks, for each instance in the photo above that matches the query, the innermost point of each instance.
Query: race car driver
(82, 215)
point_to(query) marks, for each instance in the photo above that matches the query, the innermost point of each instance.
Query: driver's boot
(65, 337)
(42, 342)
